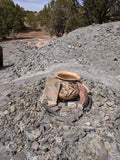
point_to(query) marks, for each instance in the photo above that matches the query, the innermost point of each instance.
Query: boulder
(50, 92)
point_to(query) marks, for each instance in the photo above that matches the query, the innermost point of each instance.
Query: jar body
(68, 90)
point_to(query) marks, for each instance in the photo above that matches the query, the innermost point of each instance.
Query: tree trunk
(1, 57)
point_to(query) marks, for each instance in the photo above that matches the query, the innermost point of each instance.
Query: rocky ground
(28, 131)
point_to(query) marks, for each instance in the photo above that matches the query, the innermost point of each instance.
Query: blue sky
(32, 5)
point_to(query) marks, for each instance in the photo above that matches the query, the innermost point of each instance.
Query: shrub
(11, 18)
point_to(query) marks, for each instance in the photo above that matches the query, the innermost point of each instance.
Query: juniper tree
(98, 11)
(11, 17)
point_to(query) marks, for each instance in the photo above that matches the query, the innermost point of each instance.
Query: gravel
(28, 131)
(93, 52)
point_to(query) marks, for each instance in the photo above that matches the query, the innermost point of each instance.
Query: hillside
(94, 53)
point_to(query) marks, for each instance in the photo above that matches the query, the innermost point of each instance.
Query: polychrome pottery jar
(69, 89)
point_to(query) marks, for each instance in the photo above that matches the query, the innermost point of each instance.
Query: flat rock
(20, 156)
(83, 95)
(3, 100)
(50, 93)
(97, 147)
(32, 134)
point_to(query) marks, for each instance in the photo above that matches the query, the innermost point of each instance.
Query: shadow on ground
(7, 66)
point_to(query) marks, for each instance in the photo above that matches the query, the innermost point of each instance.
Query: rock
(21, 126)
(102, 114)
(55, 108)
(1, 114)
(97, 147)
(115, 116)
(46, 119)
(65, 127)
(64, 109)
(1, 57)
(10, 103)
(106, 118)
(115, 156)
(18, 117)
(58, 150)
(32, 134)
(6, 112)
(27, 104)
(108, 147)
(78, 45)
(63, 113)
(20, 156)
(45, 148)
(35, 146)
(52, 103)
(71, 105)
(88, 128)
(83, 95)
(58, 140)
(1, 122)
(12, 109)
(4, 157)
(88, 123)
(3, 100)
(69, 46)
(70, 131)
(80, 133)
(50, 93)
(110, 104)
(80, 106)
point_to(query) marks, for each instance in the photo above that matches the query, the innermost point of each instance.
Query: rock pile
(92, 52)
(29, 131)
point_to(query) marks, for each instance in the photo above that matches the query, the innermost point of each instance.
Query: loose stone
(35, 145)
(12, 109)
(71, 105)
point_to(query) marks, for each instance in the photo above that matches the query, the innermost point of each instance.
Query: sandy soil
(37, 38)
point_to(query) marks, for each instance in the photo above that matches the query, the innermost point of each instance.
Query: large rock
(50, 92)
(1, 57)
(83, 94)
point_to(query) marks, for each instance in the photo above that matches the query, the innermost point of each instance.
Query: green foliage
(58, 18)
(32, 20)
(43, 16)
(18, 24)
(11, 18)
(76, 22)
(72, 23)
(57, 13)
(61, 15)
(97, 10)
